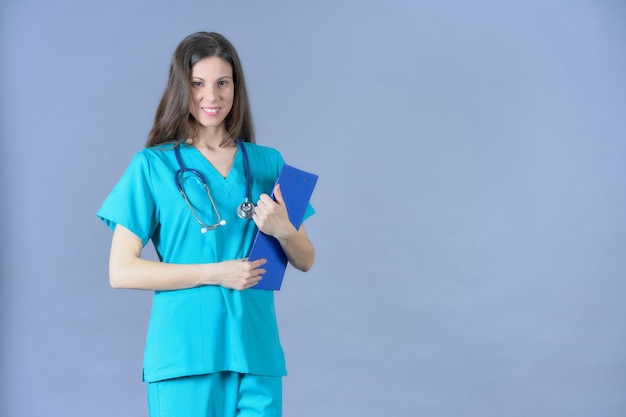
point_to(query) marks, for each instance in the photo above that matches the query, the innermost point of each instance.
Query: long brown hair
(173, 121)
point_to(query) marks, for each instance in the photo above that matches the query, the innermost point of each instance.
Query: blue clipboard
(296, 187)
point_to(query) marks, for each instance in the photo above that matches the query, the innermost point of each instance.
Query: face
(212, 92)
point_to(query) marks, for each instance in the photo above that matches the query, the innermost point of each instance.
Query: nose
(210, 92)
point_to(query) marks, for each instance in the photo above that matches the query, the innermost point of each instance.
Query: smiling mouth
(211, 111)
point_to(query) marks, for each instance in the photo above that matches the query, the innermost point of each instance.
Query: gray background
(470, 230)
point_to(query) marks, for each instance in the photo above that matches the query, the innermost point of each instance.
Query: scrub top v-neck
(235, 176)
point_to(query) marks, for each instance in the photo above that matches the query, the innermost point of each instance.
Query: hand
(271, 216)
(241, 274)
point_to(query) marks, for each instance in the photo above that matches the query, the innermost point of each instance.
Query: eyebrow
(219, 79)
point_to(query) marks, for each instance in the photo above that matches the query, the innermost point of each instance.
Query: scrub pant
(221, 394)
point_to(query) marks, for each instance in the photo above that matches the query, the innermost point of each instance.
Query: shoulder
(158, 151)
(145, 161)
(263, 153)
(265, 161)
(155, 153)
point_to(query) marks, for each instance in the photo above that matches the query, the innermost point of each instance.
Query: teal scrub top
(209, 328)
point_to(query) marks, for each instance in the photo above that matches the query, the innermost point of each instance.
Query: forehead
(212, 67)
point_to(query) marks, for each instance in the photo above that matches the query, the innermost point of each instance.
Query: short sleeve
(308, 213)
(132, 202)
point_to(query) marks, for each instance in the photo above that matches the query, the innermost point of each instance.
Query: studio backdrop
(470, 230)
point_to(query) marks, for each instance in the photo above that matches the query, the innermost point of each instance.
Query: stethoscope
(245, 210)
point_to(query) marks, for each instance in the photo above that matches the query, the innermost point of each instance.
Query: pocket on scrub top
(174, 333)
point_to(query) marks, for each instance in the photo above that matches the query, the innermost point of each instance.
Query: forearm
(271, 217)
(299, 249)
(128, 270)
(143, 274)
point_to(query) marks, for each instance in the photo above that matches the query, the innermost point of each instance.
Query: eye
(222, 83)
(196, 84)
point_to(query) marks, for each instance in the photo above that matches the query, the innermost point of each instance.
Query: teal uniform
(206, 329)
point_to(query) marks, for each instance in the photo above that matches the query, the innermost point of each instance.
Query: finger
(264, 199)
(254, 279)
(257, 263)
(252, 284)
(278, 195)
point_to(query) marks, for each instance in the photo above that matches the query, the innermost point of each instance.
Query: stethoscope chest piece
(245, 210)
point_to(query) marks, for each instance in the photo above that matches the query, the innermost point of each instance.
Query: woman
(212, 347)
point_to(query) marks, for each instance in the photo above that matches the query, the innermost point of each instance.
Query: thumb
(278, 195)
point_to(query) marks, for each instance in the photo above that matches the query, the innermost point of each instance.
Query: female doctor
(212, 347)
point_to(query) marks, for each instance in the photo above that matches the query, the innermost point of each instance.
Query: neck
(210, 138)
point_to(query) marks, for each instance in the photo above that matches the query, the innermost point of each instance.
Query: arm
(128, 270)
(271, 218)
(298, 248)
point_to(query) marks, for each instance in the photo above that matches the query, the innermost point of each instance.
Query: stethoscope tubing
(245, 210)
